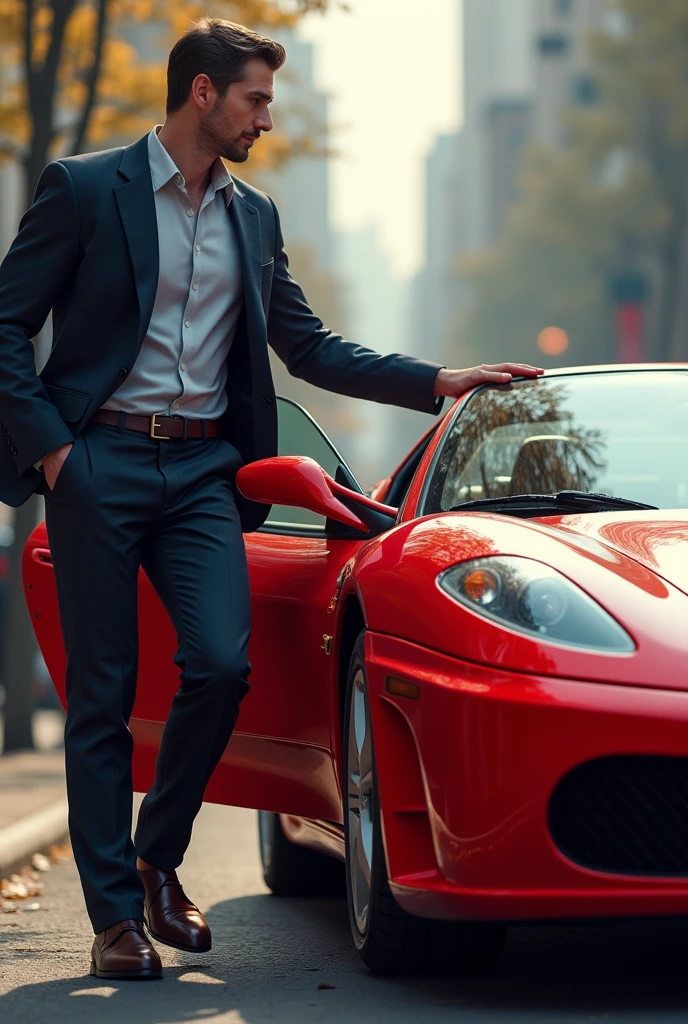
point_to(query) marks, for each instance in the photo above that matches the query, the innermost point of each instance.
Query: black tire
(392, 941)
(291, 870)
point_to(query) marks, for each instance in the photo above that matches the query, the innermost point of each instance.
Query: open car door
(280, 757)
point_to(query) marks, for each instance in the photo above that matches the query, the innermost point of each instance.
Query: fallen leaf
(60, 851)
(28, 872)
(41, 862)
(13, 890)
(323, 984)
(32, 887)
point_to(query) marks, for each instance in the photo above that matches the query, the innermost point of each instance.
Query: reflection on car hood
(658, 540)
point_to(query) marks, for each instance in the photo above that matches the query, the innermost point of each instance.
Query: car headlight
(532, 598)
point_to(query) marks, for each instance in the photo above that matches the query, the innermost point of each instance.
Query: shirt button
(187, 323)
(189, 213)
(194, 287)
(175, 405)
(178, 178)
(198, 248)
(182, 366)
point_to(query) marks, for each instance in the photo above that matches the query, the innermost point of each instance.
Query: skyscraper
(300, 188)
(499, 76)
(562, 63)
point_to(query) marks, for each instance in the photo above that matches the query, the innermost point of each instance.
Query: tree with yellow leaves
(71, 76)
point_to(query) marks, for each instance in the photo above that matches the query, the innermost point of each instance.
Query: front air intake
(625, 815)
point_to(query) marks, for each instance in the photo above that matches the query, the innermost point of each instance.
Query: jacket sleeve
(317, 355)
(38, 266)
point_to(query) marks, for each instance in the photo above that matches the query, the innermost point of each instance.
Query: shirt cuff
(439, 399)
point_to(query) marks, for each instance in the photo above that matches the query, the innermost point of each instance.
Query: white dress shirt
(181, 366)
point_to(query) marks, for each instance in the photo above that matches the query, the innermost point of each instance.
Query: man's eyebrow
(263, 95)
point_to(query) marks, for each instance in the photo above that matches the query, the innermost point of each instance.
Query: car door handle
(42, 555)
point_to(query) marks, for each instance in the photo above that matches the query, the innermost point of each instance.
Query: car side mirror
(300, 481)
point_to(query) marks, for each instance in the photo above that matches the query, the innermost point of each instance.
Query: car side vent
(625, 815)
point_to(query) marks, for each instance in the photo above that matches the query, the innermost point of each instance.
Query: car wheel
(389, 940)
(291, 870)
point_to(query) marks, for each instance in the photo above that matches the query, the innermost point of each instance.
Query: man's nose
(263, 123)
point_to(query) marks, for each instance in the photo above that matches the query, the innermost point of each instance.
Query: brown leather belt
(162, 428)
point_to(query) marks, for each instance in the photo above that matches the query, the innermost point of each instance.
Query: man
(167, 278)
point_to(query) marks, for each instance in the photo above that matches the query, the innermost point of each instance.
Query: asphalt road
(270, 955)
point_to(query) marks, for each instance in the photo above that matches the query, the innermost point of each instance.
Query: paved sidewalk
(30, 781)
(33, 799)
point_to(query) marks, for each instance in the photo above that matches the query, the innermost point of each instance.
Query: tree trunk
(92, 79)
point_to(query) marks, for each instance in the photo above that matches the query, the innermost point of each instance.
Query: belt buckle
(154, 425)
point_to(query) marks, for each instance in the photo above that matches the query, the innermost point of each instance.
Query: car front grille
(625, 815)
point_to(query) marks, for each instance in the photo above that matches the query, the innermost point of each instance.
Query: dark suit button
(123, 371)
(268, 399)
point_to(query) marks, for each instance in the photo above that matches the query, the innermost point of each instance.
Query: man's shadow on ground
(270, 955)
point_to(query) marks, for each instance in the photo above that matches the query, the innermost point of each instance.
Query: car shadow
(293, 961)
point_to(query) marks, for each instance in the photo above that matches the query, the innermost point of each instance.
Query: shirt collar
(164, 169)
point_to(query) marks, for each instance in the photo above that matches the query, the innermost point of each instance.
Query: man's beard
(217, 137)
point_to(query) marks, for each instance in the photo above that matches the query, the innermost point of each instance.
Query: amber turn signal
(481, 585)
(400, 688)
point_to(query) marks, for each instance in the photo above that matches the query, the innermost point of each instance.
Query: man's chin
(237, 156)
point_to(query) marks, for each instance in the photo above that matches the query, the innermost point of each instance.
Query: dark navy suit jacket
(87, 248)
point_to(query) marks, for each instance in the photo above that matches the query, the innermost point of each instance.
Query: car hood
(658, 540)
(633, 564)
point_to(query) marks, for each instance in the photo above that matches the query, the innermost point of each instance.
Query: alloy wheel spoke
(360, 803)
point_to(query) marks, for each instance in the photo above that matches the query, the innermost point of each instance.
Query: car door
(281, 755)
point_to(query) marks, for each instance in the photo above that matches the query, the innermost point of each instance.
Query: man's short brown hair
(219, 49)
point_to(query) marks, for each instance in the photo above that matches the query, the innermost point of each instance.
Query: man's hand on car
(454, 383)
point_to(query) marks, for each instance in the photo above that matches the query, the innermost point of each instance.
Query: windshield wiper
(575, 501)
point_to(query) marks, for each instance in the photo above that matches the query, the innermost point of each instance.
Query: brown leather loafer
(170, 915)
(124, 951)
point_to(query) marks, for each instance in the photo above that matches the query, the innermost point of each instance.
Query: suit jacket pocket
(71, 405)
(266, 284)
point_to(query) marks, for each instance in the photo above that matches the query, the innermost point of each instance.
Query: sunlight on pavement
(203, 979)
(105, 991)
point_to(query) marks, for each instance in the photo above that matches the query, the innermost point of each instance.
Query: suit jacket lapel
(136, 205)
(246, 222)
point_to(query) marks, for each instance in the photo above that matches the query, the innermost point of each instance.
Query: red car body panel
(467, 769)
(281, 756)
(465, 775)
(395, 577)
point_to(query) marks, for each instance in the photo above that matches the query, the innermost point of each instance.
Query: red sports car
(471, 684)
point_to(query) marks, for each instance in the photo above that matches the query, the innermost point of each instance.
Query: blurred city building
(561, 63)
(378, 308)
(300, 188)
(435, 290)
(498, 70)
(525, 62)
(346, 276)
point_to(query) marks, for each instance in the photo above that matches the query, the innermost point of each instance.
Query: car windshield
(623, 433)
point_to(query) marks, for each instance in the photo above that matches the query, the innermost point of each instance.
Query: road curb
(36, 832)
